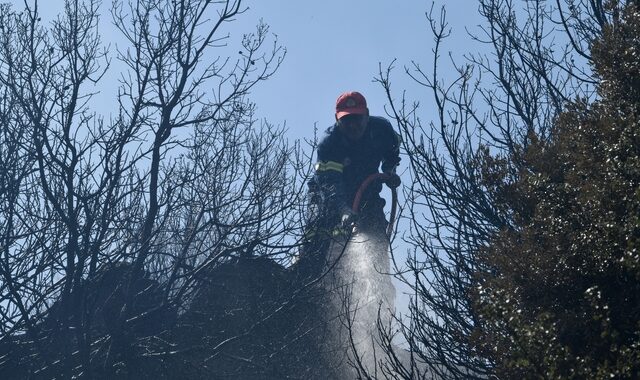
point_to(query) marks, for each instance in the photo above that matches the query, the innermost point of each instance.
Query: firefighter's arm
(391, 159)
(329, 173)
(331, 183)
(391, 153)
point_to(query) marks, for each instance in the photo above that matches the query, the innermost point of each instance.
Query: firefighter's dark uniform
(341, 168)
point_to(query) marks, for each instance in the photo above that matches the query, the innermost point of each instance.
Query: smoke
(361, 295)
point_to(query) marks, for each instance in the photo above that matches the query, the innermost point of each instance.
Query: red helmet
(351, 103)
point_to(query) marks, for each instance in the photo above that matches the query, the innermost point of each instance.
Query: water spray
(361, 288)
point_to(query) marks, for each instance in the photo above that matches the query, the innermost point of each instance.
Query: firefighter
(356, 146)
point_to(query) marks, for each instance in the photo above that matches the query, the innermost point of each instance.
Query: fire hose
(394, 198)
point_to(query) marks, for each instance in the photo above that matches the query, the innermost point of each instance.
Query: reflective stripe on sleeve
(324, 166)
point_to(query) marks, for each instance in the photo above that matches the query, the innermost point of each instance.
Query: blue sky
(335, 46)
(332, 46)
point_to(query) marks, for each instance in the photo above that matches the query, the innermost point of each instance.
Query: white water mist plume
(361, 294)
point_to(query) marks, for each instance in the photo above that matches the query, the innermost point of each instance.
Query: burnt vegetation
(115, 232)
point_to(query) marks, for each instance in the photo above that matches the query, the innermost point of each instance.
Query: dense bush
(560, 294)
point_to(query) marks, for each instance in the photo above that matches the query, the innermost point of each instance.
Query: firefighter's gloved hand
(347, 217)
(393, 181)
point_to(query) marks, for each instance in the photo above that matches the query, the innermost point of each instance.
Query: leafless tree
(180, 179)
(536, 58)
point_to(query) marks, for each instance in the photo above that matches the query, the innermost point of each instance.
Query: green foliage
(559, 295)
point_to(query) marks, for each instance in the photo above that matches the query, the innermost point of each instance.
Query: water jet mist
(361, 294)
